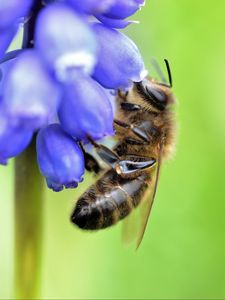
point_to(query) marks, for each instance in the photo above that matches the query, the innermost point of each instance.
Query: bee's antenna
(159, 70)
(160, 73)
(169, 72)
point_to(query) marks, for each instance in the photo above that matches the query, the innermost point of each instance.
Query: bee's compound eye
(158, 95)
(152, 94)
(158, 98)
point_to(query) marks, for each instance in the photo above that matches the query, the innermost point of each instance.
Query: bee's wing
(146, 206)
(130, 227)
(136, 223)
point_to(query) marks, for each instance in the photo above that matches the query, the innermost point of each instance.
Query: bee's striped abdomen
(109, 200)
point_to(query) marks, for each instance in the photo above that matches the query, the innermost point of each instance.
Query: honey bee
(144, 126)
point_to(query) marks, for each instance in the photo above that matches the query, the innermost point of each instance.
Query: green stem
(28, 224)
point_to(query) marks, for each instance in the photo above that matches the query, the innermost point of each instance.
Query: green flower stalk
(28, 224)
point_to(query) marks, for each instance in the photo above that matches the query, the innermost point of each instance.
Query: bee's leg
(127, 106)
(132, 165)
(91, 164)
(106, 154)
(128, 166)
(138, 132)
(122, 95)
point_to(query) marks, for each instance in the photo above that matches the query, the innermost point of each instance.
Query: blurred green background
(183, 251)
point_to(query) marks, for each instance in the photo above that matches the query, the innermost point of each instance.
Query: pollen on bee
(119, 169)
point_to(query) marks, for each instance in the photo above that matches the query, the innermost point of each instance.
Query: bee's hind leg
(128, 166)
(91, 164)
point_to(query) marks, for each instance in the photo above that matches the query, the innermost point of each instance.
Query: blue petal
(122, 9)
(120, 62)
(6, 37)
(114, 23)
(60, 159)
(65, 40)
(91, 6)
(10, 10)
(13, 140)
(85, 109)
(4, 69)
(30, 95)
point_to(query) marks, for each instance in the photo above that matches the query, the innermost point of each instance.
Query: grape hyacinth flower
(55, 92)
(18, 139)
(6, 37)
(55, 88)
(12, 10)
(115, 16)
(67, 156)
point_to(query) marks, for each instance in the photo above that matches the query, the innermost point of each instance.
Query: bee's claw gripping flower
(60, 159)
(30, 96)
(13, 140)
(120, 61)
(86, 109)
(60, 44)
(11, 10)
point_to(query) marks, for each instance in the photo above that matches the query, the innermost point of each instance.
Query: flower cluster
(56, 85)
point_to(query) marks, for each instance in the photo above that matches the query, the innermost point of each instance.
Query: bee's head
(158, 95)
